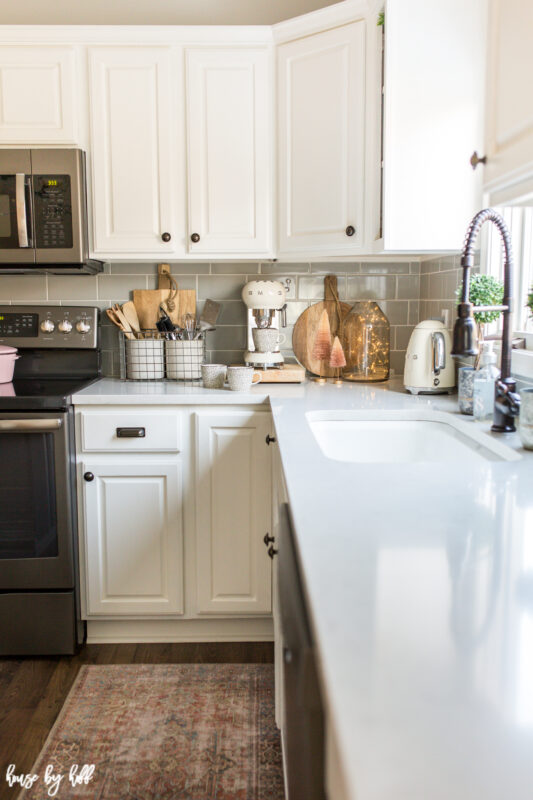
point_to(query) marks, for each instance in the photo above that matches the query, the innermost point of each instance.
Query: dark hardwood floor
(33, 690)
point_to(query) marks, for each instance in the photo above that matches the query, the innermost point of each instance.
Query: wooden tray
(305, 329)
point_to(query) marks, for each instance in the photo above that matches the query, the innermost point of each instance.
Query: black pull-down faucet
(506, 400)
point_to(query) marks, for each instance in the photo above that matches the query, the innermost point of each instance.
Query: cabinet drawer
(130, 432)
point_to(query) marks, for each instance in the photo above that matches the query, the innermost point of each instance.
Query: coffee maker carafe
(266, 310)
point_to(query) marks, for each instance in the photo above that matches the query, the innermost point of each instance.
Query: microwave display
(53, 211)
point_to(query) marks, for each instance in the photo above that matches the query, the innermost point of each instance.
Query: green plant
(381, 19)
(484, 291)
(529, 303)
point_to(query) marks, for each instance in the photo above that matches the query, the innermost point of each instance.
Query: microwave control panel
(53, 211)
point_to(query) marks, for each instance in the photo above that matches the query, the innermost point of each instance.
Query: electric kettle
(429, 368)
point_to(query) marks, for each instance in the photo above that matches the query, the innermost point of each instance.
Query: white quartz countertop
(419, 584)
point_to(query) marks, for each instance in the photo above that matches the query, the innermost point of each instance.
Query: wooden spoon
(130, 312)
(120, 323)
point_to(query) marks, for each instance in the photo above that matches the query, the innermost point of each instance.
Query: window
(520, 223)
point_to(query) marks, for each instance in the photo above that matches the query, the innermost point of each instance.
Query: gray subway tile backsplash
(402, 288)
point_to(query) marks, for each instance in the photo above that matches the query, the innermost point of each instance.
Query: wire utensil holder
(152, 357)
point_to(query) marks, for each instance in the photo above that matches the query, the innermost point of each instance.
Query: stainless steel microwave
(43, 212)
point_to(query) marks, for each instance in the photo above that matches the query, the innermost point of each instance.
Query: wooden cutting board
(147, 302)
(305, 329)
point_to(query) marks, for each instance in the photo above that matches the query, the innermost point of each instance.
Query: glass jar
(366, 342)
(484, 380)
(465, 388)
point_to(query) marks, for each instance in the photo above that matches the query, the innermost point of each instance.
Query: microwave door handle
(20, 201)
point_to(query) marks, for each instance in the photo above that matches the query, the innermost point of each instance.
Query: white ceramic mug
(240, 379)
(214, 375)
(266, 340)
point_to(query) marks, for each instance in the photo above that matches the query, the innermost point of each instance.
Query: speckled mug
(240, 379)
(525, 420)
(213, 375)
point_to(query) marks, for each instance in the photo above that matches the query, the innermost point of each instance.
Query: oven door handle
(20, 202)
(30, 425)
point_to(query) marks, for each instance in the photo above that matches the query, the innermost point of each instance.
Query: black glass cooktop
(35, 394)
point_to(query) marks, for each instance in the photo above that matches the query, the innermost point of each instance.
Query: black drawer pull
(272, 551)
(131, 433)
(267, 538)
(270, 438)
(89, 476)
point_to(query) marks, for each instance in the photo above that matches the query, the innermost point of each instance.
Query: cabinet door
(233, 507)
(133, 164)
(133, 538)
(229, 143)
(321, 135)
(37, 95)
(509, 101)
(433, 121)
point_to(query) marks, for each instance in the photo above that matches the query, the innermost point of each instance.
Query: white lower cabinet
(233, 512)
(132, 515)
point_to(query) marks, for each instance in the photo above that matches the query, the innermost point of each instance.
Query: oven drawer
(129, 431)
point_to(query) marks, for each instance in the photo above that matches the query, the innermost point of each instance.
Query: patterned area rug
(156, 732)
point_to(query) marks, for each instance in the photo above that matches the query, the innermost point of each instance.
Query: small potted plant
(529, 303)
(484, 291)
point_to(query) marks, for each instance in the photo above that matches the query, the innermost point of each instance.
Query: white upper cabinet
(509, 145)
(321, 93)
(229, 119)
(435, 60)
(133, 101)
(37, 95)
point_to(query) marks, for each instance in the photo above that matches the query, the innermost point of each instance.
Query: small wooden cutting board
(305, 329)
(147, 302)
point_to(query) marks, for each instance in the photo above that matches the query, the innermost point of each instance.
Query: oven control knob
(47, 326)
(83, 326)
(65, 326)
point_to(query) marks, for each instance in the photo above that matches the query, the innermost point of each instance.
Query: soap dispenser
(484, 383)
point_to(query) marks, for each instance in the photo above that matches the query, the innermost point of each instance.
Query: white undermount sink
(400, 438)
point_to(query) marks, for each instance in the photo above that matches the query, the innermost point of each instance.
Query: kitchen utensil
(304, 332)
(8, 356)
(240, 379)
(130, 312)
(213, 375)
(429, 368)
(267, 340)
(126, 327)
(116, 321)
(189, 323)
(209, 315)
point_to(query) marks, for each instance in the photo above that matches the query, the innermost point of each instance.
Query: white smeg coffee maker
(266, 315)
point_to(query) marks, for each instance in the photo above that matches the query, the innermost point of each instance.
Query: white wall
(154, 12)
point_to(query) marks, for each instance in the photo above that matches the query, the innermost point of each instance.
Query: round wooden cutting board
(305, 329)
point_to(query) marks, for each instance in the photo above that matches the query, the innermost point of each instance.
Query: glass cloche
(366, 338)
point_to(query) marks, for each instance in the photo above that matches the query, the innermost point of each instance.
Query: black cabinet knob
(267, 538)
(195, 237)
(89, 476)
(270, 438)
(166, 237)
(272, 551)
(350, 230)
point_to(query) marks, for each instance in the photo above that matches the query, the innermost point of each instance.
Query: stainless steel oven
(43, 211)
(39, 587)
(37, 524)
